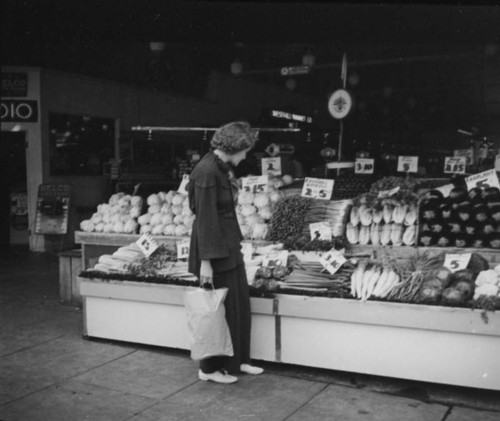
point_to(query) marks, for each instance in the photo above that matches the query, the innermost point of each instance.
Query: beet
(466, 288)
(452, 297)
(429, 295)
(445, 276)
(465, 275)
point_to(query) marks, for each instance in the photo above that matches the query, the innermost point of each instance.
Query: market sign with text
(18, 111)
(284, 115)
(14, 84)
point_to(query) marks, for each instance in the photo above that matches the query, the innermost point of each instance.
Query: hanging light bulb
(308, 59)
(236, 67)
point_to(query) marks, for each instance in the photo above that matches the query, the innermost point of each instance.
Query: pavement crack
(448, 412)
(32, 346)
(306, 402)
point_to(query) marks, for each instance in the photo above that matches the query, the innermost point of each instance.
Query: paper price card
(183, 248)
(275, 258)
(483, 180)
(182, 188)
(258, 184)
(247, 251)
(408, 164)
(467, 153)
(456, 262)
(332, 261)
(455, 164)
(321, 231)
(271, 166)
(388, 193)
(446, 189)
(317, 188)
(147, 244)
(364, 166)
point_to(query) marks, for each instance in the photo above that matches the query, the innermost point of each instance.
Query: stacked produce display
(387, 215)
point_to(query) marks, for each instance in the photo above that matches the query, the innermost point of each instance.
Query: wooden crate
(70, 266)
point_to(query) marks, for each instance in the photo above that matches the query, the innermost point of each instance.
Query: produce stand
(417, 342)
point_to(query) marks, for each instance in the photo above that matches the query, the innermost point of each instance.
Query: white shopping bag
(208, 332)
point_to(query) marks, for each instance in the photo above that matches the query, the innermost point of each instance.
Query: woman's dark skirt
(238, 317)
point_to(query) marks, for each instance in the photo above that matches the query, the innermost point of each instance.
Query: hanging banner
(52, 209)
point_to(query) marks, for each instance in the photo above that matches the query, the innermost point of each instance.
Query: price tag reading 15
(183, 249)
(317, 188)
(254, 185)
(147, 244)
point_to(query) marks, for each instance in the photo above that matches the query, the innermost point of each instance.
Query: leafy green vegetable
(288, 218)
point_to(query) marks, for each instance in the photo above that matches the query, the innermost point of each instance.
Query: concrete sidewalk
(48, 372)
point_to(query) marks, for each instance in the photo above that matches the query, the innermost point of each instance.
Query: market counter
(453, 346)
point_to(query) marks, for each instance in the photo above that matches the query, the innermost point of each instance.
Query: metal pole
(208, 129)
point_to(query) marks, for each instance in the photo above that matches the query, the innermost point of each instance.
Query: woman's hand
(206, 273)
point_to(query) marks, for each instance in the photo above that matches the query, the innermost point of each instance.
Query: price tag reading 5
(183, 249)
(147, 244)
(332, 261)
(456, 262)
(317, 188)
(364, 166)
(408, 164)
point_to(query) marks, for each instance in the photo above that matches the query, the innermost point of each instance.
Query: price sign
(408, 164)
(332, 261)
(483, 180)
(455, 164)
(147, 244)
(247, 251)
(257, 184)
(275, 258)
(456, 262)
(321, 231)
(364, 166)
(388, 193)
(184, 183)
(183, 249)
(317, 188)
(271, 166)
(446, 189)
(467, 153)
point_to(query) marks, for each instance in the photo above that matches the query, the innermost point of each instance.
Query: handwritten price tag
(483, 180)
(183, 249)
(258, 184)
(321, 231)
(147, 244)
(408, 164)
(364, 166)
(317, 188)
(271, 166)
(332, 261)
(467, 153)
(456, 262)
(455, 164)
(275, 258)
(182, 188)
(388, 193)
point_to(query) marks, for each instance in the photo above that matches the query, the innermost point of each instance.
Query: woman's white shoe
(250, 369)
(217, 377)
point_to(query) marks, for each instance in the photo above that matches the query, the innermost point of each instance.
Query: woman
(215, 255)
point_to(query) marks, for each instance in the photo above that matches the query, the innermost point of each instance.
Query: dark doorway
(13, 188)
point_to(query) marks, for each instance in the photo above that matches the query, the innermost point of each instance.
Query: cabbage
(275, 196)
(96, 218)
(124, 201)
(99, 227)
(135, 211)
(136, 201)
(178, 219)
(158, 229)
(162, 196)
(265, 212)
(153, 199)
(106, 217)
(287, 179)
(180, 231)
(247, 210)
(145, 229)
(130, 227)
(188, 221)
(261, 200)
(144, 219)
(177, 210)
(155, 219)
(246, 231)
(260, 231)
(245, 198)
(254, 220)
(170, 195)
(169, 229)
(114, 199)
(118, 226)
(167, 219)
(108, 228)
(114, 218)
(166, 208)
(87, 225)
(186, 212)
(154, 209)
(178, 200)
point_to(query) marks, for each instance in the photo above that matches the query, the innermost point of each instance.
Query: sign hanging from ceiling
(284, 115)
(14, 84)
(18, 111)
(295, 70)
(340, 104)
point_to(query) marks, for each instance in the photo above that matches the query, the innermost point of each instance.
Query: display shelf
(417, 342)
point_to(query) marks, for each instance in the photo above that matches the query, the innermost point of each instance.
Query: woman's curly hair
(234, 137)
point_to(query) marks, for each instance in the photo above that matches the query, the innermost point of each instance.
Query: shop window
(80, 145)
